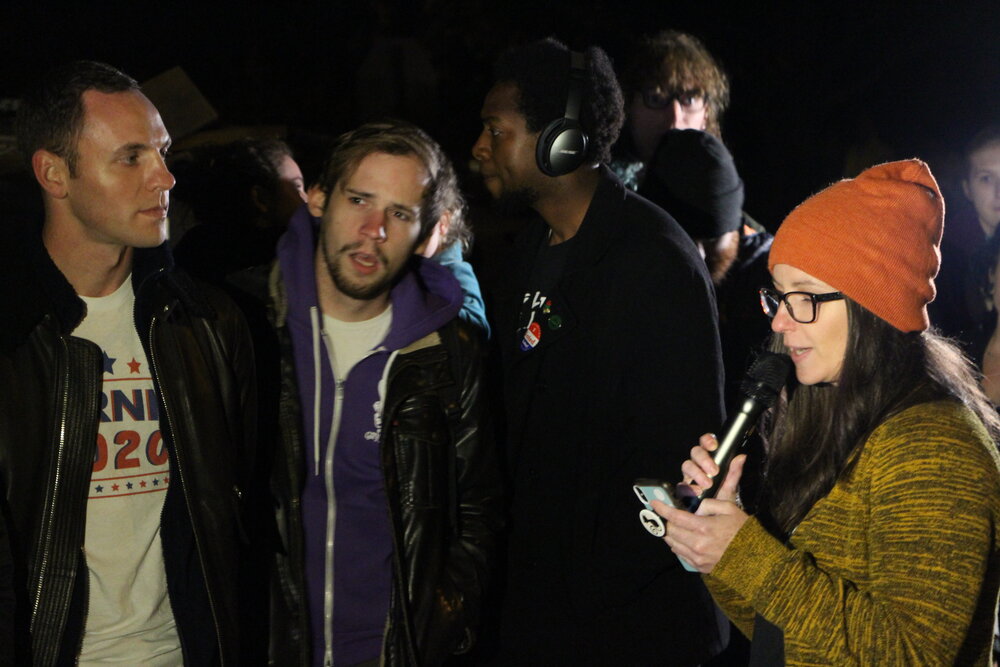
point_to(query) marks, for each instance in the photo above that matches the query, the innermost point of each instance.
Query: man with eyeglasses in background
(671, 152)
(670, 82)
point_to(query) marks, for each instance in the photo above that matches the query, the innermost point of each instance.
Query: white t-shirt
(129, 619)
(352, 341)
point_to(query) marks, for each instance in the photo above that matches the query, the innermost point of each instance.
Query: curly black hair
(541, 70)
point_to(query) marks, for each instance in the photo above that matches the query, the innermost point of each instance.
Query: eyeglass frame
(647, 92)
(782, 297)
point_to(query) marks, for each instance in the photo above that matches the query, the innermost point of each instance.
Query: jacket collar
(600, 227)
(32, 287)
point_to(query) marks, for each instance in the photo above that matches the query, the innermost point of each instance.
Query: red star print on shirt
(133, 366)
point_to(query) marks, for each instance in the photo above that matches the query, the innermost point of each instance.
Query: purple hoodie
(348, 539)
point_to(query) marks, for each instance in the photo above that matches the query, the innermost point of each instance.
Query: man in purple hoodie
(387, 490)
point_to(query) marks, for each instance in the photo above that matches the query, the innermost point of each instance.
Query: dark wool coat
(620, 386)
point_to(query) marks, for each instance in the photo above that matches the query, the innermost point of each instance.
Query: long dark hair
(815, 431)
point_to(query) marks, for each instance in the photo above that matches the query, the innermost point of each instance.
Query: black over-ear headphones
(562, 145)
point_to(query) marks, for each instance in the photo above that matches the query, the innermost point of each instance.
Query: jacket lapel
(597, 233)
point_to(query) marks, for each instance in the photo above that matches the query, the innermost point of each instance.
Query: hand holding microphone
(760, 390)
(699, 541)
(701, 473)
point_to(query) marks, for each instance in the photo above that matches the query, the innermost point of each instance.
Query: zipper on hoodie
(331, 506)
(331, 520)
(318, 335)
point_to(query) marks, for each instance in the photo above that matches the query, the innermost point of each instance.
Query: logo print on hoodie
(377, 418)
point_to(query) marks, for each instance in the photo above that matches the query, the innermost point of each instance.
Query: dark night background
(819, 90)
(809, 80)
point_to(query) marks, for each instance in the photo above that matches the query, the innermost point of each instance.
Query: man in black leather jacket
(127, 552)
(387, 491)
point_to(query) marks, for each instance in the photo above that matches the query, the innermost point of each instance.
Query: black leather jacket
(443, 486)
(202, 367)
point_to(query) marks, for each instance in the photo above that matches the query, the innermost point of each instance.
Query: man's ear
(965, 189)
(316, 199)
(51, 172)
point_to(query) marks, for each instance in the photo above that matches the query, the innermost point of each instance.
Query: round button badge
(652, 522)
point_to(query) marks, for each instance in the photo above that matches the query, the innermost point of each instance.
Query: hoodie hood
(423, 300)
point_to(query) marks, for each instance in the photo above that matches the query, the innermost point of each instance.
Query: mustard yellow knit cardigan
(898, 565)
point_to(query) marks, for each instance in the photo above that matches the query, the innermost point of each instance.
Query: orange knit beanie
(875, 238)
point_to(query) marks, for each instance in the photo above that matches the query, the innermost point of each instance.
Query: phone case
(647, 490)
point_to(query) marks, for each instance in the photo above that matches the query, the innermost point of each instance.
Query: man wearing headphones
(612, 370)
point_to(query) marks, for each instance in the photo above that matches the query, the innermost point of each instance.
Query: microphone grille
(766, 377)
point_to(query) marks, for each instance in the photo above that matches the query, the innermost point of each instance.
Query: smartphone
(648, 490)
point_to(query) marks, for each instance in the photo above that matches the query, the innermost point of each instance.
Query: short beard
(359, 292)
(517, 203)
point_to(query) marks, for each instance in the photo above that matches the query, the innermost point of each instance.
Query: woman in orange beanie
(876, 539)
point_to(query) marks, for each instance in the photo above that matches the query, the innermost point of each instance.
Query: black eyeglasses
(656, 98)
(801, 305)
